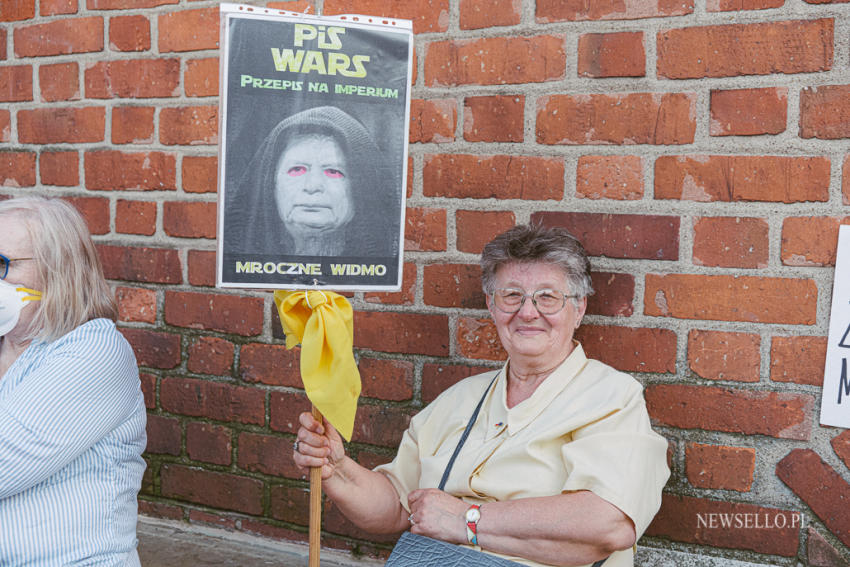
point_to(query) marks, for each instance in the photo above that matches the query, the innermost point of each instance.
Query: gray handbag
(414, 550)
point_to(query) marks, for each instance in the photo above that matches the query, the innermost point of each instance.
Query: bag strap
(463, 438)
(465, 434)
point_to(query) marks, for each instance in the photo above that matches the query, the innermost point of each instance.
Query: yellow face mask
(12, 300)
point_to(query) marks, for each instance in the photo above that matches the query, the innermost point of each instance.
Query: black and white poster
(313, 150)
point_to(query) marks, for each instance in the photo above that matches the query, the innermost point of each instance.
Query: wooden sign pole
(315, 507)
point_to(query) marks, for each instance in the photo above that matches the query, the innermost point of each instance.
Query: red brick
(731, 242)
(841, 445)
(845, 179)
(619, 54)
(270, 364)
(129, 33)
(266, 454)
(407, 294)
(59, 37)
(208, 443)
(292, 504)
(160, 510)
(726, 468)
(427, 15)
(825, 112)
(633, 118)
(200, 174)
(126, 4)
(438, 377)
(495, 61)
(425, 229)
(188, 126)
(201, 77)
(284, 409)
(782, 415)
(189, 219)
(61, 125)
(810, 241)
(477, 14)
(135, 217)
(494, 118)
(820, 487)
(216, 400)
(453, 285)
(798, 359)
(211, 355)
(477, 228)
(413, 333)
(17, 10)
(736, 5)
(154, 349)
(731, 298)
(95, 211)
(630, 349)
(718, 355)
(579, 10)
(59, 82)
(820, 553)
(133, 124)
(201, 267)
(164, 435)
(136, 78)
(652, 237)
(152, 265)
(493, 177)
(148, 383)
(609, 177)
(17, 169)
(696, 520)
(5, 123)
(745, 49)
(370, 459)
(477, 338)
(613, 296)
(742, 178)
(136, 304)
(16, 83)
(215, 520)
(111, 170)
(433, 121)
(301, 6)
(188, 30)
(3, 35)
(218, 490)
(749, 112)
(380, 425)
(215, 312)
(386, 379)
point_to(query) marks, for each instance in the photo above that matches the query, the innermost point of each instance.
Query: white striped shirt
(72, 431)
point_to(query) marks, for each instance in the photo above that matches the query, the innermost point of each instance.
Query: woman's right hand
(319, 445)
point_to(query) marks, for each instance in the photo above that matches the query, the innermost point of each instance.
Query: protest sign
(313, 150)
(835, 401)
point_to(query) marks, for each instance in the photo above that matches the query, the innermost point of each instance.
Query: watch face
(473, 515)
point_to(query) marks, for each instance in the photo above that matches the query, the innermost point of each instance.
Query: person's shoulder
(94, 338)
(604, 376)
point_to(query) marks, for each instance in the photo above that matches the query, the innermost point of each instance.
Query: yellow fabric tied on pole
(322, 322)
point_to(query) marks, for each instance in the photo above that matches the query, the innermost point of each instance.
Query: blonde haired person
(72, 414)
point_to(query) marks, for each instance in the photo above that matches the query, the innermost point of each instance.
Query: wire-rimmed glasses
(546, 301)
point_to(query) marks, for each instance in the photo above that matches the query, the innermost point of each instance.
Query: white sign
(835, 405)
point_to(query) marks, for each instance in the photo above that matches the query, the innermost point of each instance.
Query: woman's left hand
(438, 515)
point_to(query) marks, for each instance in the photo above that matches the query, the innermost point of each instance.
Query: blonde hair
(74, 289)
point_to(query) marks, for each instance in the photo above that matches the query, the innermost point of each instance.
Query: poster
(313, 122)
(835, 401)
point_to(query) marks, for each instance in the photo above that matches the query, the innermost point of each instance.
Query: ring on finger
(295, 447)
(410, 519)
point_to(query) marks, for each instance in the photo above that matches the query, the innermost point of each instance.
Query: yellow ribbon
(322, 322)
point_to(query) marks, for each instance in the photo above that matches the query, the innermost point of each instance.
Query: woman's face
(543, 340)
(313, 190)
(15, 242)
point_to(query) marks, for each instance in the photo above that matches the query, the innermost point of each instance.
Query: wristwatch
(472, 517)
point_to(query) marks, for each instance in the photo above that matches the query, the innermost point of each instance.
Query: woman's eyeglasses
(4, 265)
(546, 301)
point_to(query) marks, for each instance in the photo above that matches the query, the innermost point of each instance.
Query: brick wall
(699, 148)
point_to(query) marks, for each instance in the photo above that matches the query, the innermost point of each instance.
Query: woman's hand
(319, 445)
(437, 514)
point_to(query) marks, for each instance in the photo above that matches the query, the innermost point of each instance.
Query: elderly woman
(317, 186)
(561, 466)
(72, 414)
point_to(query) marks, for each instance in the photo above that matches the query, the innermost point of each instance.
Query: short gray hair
(71, 274)
(536, 243)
